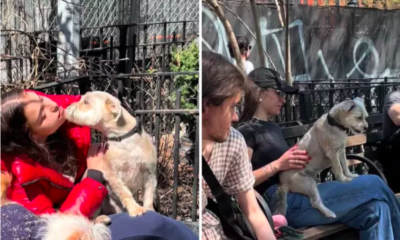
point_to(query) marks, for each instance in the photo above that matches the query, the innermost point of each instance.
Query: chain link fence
(169, 10)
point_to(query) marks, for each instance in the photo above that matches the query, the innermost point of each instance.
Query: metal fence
(316, 97)
(139, 75)
(159, 110)
(121, 52)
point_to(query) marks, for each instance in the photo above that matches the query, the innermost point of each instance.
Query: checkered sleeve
(240, 176)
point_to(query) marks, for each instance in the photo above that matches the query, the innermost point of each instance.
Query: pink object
(279, 221)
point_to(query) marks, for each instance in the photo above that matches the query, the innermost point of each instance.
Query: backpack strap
(218, 192)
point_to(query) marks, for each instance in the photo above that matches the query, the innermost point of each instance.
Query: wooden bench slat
(323, 231)
(356, 140)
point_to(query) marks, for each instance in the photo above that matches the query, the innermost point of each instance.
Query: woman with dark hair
(366, 203)
(47, 157)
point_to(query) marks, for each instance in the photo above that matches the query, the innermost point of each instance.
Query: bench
(329, 231)
(341, 231)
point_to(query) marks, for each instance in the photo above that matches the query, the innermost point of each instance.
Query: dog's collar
(334, 123)
(136, 129)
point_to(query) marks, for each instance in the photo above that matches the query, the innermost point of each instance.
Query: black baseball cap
(268, 78)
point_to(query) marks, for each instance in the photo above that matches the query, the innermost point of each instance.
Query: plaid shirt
(230, 164)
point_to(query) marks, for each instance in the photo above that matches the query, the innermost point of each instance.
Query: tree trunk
(228, 29)
(258, 33)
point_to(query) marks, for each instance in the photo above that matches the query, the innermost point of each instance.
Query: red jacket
(41, 189)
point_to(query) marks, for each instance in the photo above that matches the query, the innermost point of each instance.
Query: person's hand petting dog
(292, 159)
(95, 157)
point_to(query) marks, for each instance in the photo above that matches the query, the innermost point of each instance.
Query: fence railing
(317, 97)
(130, 49)
(154, 100)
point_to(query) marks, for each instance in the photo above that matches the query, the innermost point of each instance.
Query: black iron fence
(130, 49)
(318, 96)
(175, 130)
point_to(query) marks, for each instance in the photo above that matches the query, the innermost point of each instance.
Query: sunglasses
(279, 92)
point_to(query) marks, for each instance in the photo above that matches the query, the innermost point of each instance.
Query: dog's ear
(349, 105)
(114, 107)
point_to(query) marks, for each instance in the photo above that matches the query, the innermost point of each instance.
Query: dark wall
(326, 42)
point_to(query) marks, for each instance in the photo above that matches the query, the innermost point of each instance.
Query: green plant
(186, 60)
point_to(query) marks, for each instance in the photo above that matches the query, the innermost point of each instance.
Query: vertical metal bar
(122, 49)
(154, 49)
(9, 62)
(184, 33)
(141, 90)
(163, 48)
(84, 85)
(331, 93)
(102, 52)
(196, 168)
(137, 102)
(120, 93)
(144, 47)
(176, 155)
(111, 49)
(158, 103)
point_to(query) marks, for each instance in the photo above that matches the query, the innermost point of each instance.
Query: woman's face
(43, 115)
(272, 101)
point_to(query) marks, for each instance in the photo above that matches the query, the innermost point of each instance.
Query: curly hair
(58, 152)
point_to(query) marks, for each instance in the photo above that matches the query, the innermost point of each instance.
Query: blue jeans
(151, 225)
(366, 203)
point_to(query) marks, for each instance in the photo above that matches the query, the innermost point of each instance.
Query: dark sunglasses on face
(279, 92)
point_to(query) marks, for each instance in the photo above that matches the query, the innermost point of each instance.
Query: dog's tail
(279, 200)
(66, 226)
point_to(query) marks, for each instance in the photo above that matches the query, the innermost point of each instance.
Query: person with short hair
(224, 148)
(244, 48)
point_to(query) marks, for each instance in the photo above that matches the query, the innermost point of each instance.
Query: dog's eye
(85, 101)
(361, 118)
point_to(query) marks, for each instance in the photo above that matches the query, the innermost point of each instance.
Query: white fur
(61, 226)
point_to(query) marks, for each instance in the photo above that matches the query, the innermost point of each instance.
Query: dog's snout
(365, 128)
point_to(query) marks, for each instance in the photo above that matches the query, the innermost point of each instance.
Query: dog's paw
(103, 219)
(353, 175)
(330, 214)
(137, 211)
(343, 178)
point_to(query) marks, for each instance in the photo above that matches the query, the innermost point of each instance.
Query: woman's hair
(251, 101)
(59, 151)
(220, 78)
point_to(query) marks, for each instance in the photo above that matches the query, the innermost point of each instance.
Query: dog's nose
(366, 128)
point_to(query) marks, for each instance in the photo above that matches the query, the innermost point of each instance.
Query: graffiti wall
(325, 43)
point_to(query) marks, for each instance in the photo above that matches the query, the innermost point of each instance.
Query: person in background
(391, 114)
(224, 148)
(366, 203)
(244, 48)
(389, 152)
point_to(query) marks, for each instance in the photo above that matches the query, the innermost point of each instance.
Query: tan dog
(130, 161)
(61, 226)
(325, 143)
